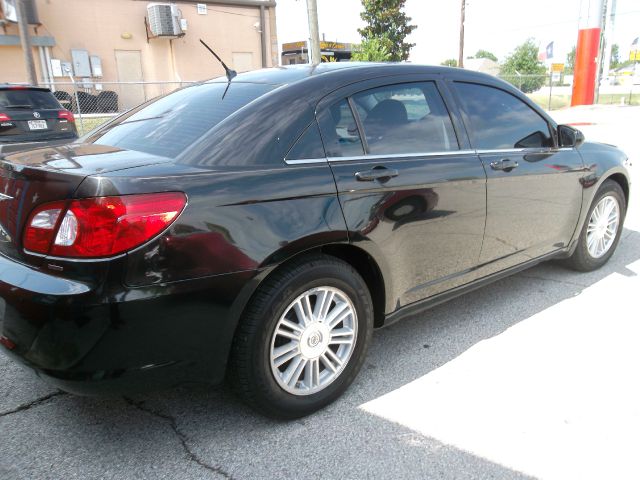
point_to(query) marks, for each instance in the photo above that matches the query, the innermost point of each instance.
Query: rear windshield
(32, 99)
(169, 125)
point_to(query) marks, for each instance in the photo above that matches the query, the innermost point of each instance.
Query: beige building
(104, 41)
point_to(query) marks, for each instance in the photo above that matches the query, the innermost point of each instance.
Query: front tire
(602, 228)
(303, 338)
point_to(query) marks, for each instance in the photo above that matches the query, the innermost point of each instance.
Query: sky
(494, 25)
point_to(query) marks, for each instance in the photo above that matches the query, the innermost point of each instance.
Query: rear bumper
(6, 148)
(107, 338)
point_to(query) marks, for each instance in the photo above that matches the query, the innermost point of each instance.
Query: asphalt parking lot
(533, 376)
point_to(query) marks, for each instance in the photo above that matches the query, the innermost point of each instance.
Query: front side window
(499, 120)
(406, 118)
(340, 131)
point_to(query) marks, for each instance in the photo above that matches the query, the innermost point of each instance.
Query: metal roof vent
(164, 20)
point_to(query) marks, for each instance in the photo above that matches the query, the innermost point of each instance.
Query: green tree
(615, 57)
(485, 54)
(372, 50)
(523, 69)
(450, 62)
(386, 19)
(571, 60)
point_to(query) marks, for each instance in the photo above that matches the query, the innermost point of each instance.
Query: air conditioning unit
(164, 20)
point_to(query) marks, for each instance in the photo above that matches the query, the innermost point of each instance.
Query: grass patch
(557, 101)
(563, 101)
(615, 98)
(90, 123)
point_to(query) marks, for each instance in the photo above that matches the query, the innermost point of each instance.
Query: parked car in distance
(31, 117)
(261, 228)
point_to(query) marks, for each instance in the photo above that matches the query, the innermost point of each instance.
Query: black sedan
(32, 117)
(261, 228)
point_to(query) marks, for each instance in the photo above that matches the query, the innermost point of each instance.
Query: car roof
(341, 70)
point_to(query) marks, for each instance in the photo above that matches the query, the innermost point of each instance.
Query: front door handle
(377, 173)
(506, 164)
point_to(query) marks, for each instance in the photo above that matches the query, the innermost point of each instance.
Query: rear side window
(340, 131)
(171, 124)
(308, 146)
(31, 99)
(408, 118)
(498, 120)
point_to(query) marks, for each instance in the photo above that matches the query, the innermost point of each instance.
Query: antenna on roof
(230, 73)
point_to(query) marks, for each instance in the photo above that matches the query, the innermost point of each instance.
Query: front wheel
(602, 229)
(303, 337)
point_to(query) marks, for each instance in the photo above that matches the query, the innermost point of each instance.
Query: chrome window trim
(523, 150)
(305, 161)
(392, 156)
(425, 154)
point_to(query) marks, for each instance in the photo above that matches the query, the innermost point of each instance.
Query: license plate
(37, 124)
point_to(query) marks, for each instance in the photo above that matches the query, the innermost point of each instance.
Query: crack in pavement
(181, 436)
(33, 403)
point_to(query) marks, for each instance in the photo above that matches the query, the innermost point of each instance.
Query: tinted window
(340, 131)
(410, 118)
(172, 123)
(500, 120)
(309, 145)
(34, 99)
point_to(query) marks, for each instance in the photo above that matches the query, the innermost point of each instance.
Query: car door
(533, 187)
(412, 192)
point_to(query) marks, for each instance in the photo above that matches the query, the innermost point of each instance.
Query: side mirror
(569, 136)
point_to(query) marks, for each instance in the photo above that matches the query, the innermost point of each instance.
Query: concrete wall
(102, 27)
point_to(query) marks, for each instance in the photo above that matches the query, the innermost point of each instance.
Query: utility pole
(23, 27)
(609, 26)
(314, 35)
(601, 51)
(461, 52)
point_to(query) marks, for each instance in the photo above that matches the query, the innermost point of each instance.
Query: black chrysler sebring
(260, 228)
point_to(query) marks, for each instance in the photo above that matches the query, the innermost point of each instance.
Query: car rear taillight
(66, 115)
(100, 226)
(4, 117)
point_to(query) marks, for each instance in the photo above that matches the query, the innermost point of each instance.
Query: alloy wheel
(313, 340)
(603, 226)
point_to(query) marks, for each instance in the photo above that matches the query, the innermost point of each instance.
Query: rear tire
(280, 363)
(599, 237)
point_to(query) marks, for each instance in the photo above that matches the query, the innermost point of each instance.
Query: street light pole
(314, 35)
(25, 40)
(461, 52)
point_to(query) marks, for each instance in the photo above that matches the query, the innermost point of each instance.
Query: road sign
(557, 67)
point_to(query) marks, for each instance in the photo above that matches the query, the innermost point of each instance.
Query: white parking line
(555, 396)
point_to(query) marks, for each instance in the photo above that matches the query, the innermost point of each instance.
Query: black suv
(32, 117)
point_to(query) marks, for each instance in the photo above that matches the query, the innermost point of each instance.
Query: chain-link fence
(95, 103)
(554, 92)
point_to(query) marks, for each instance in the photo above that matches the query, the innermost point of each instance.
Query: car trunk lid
(28, 179)
(26, 125)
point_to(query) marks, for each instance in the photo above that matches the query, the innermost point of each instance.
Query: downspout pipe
(43, 67)
(263, 34)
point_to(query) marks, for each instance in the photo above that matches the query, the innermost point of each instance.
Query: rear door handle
(506, 164)
(378, 173)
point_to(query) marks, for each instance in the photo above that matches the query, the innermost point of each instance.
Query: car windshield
(32, 99)
(169, 125)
